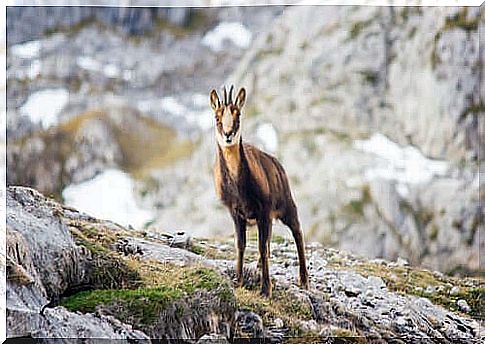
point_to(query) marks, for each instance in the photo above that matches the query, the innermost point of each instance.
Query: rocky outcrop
(53, 252)
(70, 275)
(129, 20)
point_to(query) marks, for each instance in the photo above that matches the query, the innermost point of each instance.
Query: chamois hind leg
(264, 230)
(268, 244)
(240, 227)
(290, 219)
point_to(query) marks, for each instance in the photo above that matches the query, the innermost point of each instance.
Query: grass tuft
(282, 305)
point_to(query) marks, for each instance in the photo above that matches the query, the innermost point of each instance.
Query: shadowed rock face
(71, 275)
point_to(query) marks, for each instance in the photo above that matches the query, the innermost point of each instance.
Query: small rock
(309, 326)
(400, 321)
(212, 338)
(352, 291)
(402, 262)
(378, 261)
(463, 306)
(455, 290)
(376, 282)
(430, 290)
(225, 247)
(250, 323)
(278, 323)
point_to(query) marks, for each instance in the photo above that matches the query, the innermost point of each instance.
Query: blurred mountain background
(375, 112)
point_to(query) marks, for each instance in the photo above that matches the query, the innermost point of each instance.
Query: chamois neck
(232, 157)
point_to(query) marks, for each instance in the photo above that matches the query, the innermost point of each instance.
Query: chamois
(253, 186)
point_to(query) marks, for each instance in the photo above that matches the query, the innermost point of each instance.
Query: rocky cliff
(70, 275)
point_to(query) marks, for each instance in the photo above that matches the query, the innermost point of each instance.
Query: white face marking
(227, 124)
(227, 121)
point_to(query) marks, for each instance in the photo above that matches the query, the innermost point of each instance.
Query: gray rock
(59, 325)
(250, 323)
(402, 262)
(463, 305)
(455, 290)
(212, 338)
(42, 244)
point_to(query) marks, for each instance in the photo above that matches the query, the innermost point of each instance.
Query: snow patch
(88, 63)
(406, 165)
(27, 50)
(111, 71)
(200, 116)
(44, 106)
(235, 32)
(267, 134)
(111, 196)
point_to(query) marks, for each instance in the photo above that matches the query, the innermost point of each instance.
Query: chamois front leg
(264, 231)
(240, 227)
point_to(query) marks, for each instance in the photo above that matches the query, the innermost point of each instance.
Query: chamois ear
(240, 98)
(214, 99)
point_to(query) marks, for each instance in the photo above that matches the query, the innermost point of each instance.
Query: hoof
(239, 282)
(266, 290)
(266, 293)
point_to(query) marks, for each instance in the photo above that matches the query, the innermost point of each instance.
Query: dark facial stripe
(235, 120)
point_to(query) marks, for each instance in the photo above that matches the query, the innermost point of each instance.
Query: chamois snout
(228, 137)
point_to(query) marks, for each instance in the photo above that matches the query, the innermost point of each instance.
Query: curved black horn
(230, 94)
(225, 95)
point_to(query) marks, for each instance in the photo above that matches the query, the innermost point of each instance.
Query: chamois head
(227, 114)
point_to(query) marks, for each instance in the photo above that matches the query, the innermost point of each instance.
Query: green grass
(460, 20)
(143, 305)
(358, 27)
(369, 76)
(161, 286)
(422, 216)
(434, 231)
(355, 208)
(408, 11)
